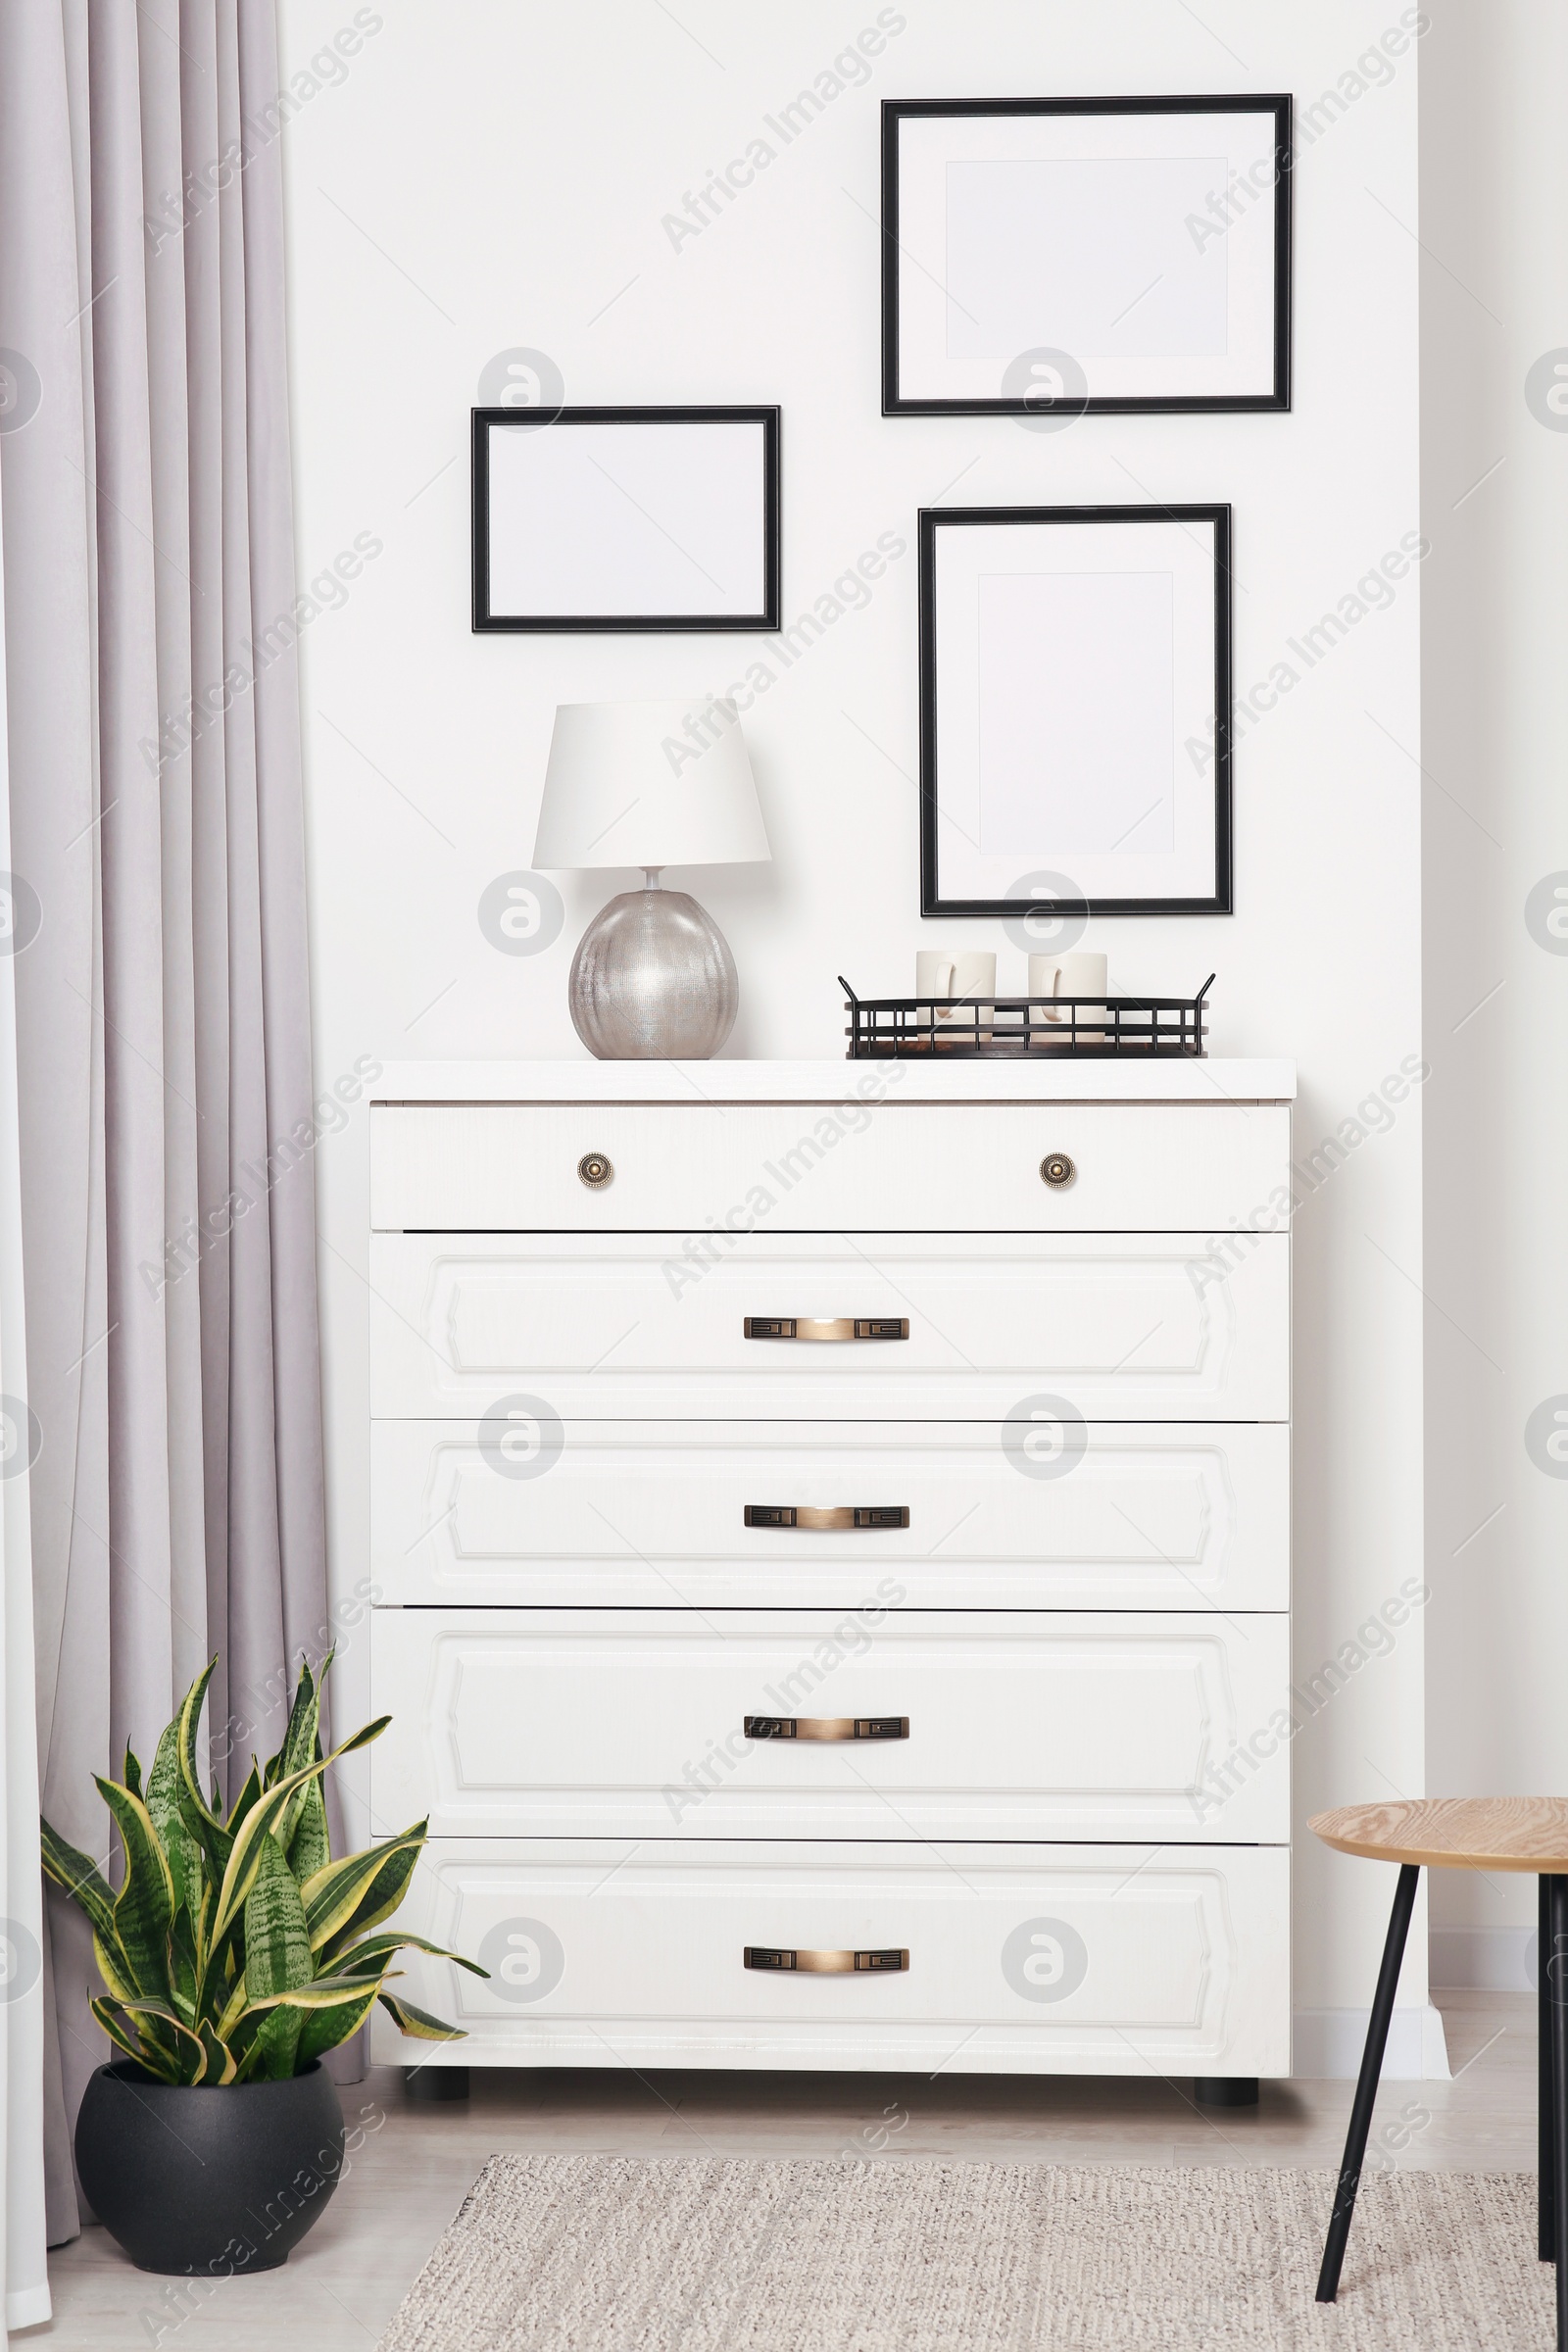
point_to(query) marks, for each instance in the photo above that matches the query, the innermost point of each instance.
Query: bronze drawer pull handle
(826, 1964)
(835, 1327)
(827, 1727)
(805, 1516)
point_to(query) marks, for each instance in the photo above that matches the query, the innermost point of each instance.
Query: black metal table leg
(1366, 2087)
(1545, 2127)
(1556, 1971)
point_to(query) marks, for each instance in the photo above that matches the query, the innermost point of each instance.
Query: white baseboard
(1328, 2046)
(1483, 1959)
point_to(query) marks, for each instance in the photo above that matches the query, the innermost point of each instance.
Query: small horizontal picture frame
(626, 518)
(1075, 710)
(1051, 258)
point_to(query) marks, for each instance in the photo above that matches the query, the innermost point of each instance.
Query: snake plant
(238, 1951)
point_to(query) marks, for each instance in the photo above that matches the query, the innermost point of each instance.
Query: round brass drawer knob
(596, 1169)
(1057, 1170)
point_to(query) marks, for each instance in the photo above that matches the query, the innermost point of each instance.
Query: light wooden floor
(344, 2283)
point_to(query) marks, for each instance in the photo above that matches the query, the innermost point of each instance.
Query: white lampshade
(649, 784)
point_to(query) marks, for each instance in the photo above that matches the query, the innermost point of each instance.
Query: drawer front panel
(1121, 1327)
(1078, 1959)
(1132, 1515)
(622, 1723)
(828, 1167)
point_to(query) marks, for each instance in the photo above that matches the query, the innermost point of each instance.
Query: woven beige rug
(691, 2254)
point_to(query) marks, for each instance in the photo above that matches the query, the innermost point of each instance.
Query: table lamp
(650, 784)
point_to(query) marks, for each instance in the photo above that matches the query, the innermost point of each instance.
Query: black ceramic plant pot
(206, 2182)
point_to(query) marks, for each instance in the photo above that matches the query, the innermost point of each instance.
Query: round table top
(1455, 1833)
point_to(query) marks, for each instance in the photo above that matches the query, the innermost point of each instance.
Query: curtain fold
(162, 1008)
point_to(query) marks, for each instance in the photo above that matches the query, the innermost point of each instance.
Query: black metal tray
(1025, 1028)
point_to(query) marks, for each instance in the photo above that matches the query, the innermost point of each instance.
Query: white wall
(494, 174)
(1495, 496)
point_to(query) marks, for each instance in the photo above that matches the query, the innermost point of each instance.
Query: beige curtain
(164, 1072)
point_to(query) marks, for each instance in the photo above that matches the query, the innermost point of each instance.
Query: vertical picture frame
(1075, 710)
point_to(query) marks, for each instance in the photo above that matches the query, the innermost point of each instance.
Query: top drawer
(829, 1167)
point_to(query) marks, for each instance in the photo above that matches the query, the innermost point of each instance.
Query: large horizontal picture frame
(626, 518)
(1075, 659)
(975, 220)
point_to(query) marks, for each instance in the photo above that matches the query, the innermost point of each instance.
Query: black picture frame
(933, 519)
(897, 109)
(767, 619)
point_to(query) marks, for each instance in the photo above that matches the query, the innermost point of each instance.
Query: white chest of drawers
(834, 1584)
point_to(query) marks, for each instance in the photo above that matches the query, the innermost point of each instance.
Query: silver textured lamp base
(653, 980)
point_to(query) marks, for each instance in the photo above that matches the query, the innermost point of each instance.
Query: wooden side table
(1500, 1833)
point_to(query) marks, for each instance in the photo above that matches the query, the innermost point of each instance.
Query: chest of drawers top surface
(1170, 1079)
